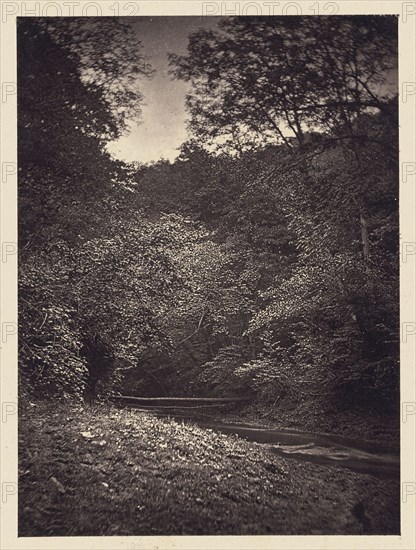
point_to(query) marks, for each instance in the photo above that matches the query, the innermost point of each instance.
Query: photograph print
(208, 301)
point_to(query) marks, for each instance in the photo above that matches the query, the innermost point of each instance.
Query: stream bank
(360, 455)
(379, 429)
(105, 471)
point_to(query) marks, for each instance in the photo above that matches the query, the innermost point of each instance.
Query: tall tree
(278, 77)
(70, 190)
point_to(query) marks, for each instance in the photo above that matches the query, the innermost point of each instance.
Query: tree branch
(193, 333)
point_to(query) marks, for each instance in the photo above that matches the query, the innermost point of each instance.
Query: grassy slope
(104, 471)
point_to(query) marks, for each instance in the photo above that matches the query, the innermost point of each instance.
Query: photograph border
(406, 11)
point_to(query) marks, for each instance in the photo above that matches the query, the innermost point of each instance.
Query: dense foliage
(263, 261)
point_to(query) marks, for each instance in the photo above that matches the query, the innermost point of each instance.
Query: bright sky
(163, 127)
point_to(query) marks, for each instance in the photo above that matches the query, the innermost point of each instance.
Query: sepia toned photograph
(208, 275)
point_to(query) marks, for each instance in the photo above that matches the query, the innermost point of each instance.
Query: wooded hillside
(263, 262)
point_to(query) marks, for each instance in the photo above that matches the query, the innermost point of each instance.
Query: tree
(109, 60)
(64, 121)
(278, 77)
(335, 319)
(69, 187)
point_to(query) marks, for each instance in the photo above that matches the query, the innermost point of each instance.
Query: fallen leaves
(61, 489)
(167, 477)
(99, 442)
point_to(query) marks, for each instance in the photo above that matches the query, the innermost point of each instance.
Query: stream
(360, 456)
